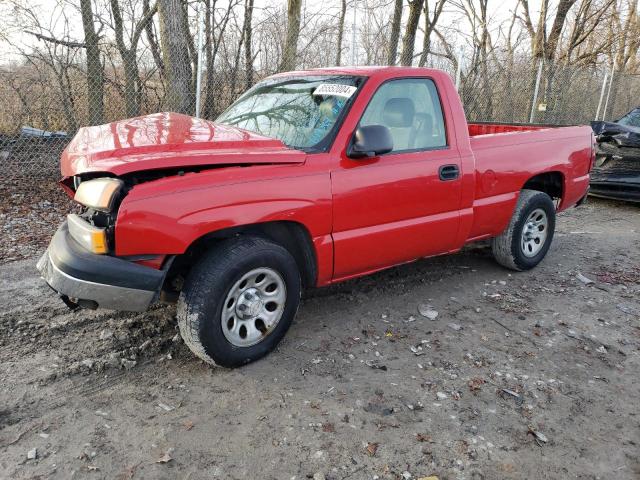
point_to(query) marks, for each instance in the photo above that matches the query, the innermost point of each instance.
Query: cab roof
(365, 71)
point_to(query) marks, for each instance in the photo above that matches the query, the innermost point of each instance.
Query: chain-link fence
(43, 101)
(544, 93)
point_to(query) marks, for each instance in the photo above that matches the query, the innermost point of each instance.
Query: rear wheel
(239, 301)
(528, 237)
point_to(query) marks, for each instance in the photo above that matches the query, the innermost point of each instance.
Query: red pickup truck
(308, 179)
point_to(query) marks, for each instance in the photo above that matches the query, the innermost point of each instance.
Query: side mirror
(370, 141)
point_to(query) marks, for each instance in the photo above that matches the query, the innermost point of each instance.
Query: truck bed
(506, 156)
(477, 129)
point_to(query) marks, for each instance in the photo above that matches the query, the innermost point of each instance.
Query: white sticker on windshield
(335, 89)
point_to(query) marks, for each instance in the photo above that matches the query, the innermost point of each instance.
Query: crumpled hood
(168, 140)
(621, 135)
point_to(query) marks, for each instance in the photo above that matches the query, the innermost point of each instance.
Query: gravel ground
(528, 375)
(30, 211)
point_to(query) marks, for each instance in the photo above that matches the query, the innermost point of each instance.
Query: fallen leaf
(475, 384)
(372, 448)
(539, 436)
(583, 279)
(423, 437)
(128, 472)
(166, 458)
(328, 427)
(188, 425)
(427, 311)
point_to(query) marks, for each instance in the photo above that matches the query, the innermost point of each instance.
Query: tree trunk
(293, 32)
(248, 30)
(132, 83)
(429, 27)
(95, 74)
(179, 96)
(151, 38)
(395, 33)
(426, 47)
(556, 28)
(66, 99)
(409, 38)
(343, 13)
(208, 107)
(235, 66)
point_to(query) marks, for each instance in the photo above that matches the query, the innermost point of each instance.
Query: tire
(211, 324)
(534, 217)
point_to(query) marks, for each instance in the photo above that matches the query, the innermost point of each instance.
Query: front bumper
(85, 279)
(616, 186)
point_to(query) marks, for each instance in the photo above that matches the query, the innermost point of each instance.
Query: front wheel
(239, 301)
(528, 237)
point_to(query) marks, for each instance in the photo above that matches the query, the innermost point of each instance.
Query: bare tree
(177, 66)
(58, 56)
(374, 35)
(247, 34)
(587, 19)
(216, 22)
(343, 13)
(544, 45)
(409, 38)
(129, 56)
(395, 33)
(95, 79)
(626, 36)
(145, 63)
(151, 37)
(294, 8)
(430, 23)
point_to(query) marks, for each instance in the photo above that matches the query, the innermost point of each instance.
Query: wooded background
(70, 63)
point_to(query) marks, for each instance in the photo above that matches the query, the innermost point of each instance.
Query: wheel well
(551, 183)
(291, 235)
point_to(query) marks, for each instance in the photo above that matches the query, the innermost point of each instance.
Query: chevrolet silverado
(308, 179)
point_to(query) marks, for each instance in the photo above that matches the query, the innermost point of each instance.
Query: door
(405, 204)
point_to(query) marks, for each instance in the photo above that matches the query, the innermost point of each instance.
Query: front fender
(172, 220)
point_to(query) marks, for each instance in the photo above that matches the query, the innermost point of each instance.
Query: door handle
(448, 172)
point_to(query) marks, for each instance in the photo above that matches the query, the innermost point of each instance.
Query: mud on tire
(206, 310)
(516, 248)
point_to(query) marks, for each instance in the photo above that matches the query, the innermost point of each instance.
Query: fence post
(353, 34)
(535, 93)
(199, 61)
(459, 69)
(604, 87)
(606, 103)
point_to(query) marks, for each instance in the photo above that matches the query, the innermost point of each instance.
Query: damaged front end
(616, 173)
(80, 264)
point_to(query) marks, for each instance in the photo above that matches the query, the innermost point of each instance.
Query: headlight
(92, 238)
(99, 193)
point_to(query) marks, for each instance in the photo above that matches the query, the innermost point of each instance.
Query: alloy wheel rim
(253, 307)
(534, 233)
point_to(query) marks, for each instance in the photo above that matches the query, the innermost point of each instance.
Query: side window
(410, 109)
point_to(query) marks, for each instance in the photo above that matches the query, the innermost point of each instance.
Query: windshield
(631, 119)
(302, 112)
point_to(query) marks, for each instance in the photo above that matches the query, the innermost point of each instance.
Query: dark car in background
(616, 173)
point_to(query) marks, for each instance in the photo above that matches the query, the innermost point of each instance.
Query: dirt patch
(527, 375)
(30, 211)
